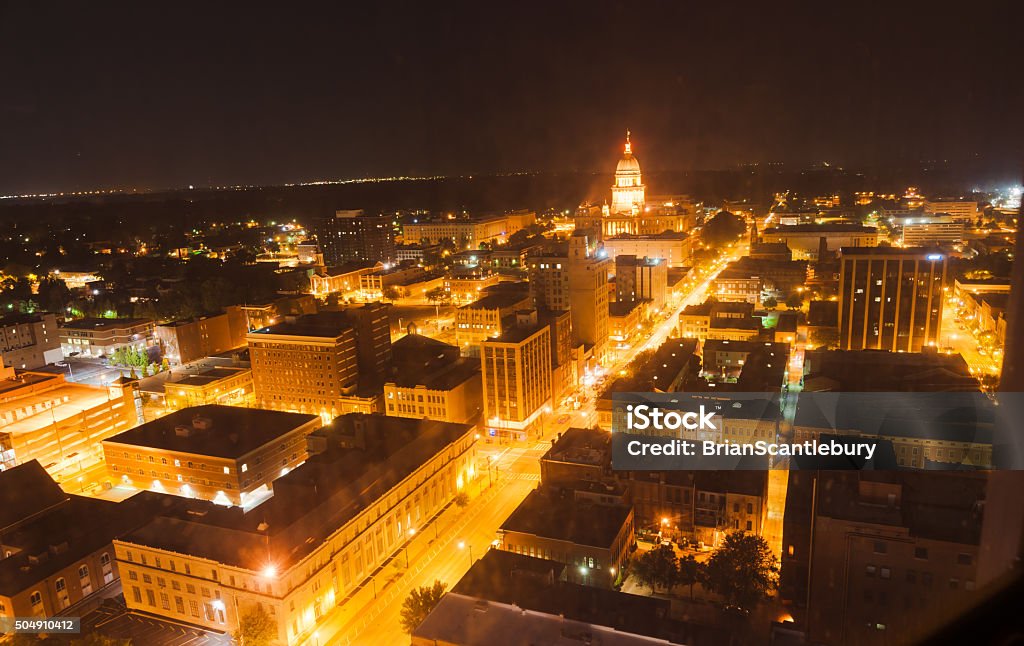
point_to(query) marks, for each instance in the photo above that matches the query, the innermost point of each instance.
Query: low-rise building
(674, 248)
(221, 453)
(625, 319)
(342, 279)
(530, 599)
(890, 551)
(730, 356)
(29, 341)
(486, 318)
(466, 288)
(331, 523)
(265, 313)
(57, 556)
(594, 540)
(186, 340)
(61, 424)
(431, 381)
(94, 337)
(721, 320)
(805, 240)
(212, 385)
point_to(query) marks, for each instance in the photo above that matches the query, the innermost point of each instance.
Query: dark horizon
(125, 96)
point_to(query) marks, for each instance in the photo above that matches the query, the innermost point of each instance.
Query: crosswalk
(531, 477)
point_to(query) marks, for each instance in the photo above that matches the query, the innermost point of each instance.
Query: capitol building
(632, 212)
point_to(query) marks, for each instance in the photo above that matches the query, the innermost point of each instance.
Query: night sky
(169, 94)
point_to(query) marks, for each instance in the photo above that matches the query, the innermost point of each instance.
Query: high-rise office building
(577, 282)
(352, 235)
(373, 332)
(890, 299)
(517, 376)
(641, 279)
(305, 364)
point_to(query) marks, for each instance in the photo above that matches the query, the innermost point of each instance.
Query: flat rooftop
(538, 586)
(517, 333)
(325, 325)
(446, 378)
(312, 501)
(496, 301)
(207, 377)
(590, 446)
(545, 514)
(103, 324)
(73, 399)
(232, 433)
(832, 227)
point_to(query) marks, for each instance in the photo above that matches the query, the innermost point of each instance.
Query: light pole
(463, 545)
(412, 532)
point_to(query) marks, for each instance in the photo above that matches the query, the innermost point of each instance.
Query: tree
(438, 295)
(658, 567)
(256, 627)
(462, 499)
(795, 301)
(826, 338)
(420, 602)
(743, 570)
(771, 302)
(722, 229)
(690, 571)
(391, 293)
(54, 294)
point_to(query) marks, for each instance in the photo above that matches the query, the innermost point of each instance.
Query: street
(371, 615)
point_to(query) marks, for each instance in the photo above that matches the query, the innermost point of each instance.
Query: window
(963, 559)
(880, 547)
(884, 573)
(869, 571)
(920, 552)
(136, 594)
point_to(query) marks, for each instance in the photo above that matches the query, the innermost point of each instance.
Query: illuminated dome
(628, 165)
(628, 190)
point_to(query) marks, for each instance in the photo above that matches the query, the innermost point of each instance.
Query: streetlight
(464, 545)
(412, 532)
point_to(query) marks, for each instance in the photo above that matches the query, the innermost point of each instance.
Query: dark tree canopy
(722, 229)
(420, 602)
(743, 570)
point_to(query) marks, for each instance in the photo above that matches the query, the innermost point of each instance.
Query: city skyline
(91, 103)
(542, 324)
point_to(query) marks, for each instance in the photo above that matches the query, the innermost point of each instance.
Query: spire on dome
(629, 147)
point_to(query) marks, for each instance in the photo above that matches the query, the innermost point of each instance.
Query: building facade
(305, 364)
(177, 567)
(94, 337)
(186, 340)
(891, 299)
(29, 341)
(219, 453)
(517, 374)
(354, 236)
